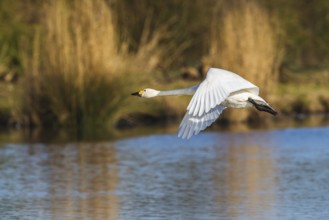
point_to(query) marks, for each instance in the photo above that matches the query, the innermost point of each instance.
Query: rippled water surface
(280, 174)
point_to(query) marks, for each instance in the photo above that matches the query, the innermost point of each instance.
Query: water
(278, 174)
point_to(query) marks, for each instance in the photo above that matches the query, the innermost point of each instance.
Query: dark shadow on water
(99, 134)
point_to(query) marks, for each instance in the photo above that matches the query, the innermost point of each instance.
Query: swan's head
(146, 93)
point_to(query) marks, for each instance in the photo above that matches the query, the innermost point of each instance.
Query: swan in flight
(221, 89)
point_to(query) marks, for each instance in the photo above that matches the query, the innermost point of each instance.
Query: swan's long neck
(176, 92)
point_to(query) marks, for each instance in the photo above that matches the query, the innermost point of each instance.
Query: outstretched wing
(192, 125)
(217, 86)
(204, 107)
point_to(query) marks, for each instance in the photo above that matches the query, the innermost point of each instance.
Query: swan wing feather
(192, 125)
(217, 86)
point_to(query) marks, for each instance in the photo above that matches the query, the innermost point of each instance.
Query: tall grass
(78, 73)
(246, 40)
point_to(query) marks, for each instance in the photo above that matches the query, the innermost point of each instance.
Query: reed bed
(246, 40)
(79, 71)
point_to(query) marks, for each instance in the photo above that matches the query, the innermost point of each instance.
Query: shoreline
(65, 135)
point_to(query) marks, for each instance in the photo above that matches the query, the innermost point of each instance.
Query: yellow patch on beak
(141, 92)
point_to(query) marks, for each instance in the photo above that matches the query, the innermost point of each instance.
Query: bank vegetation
(74, 63)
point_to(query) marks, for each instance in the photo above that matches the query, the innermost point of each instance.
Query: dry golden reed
(245, 40)
(79, 73)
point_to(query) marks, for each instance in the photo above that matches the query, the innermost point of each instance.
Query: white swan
(221, 89)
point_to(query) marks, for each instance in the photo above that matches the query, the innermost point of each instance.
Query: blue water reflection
(281, 174)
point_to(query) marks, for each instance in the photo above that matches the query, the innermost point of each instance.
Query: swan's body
(221, 89)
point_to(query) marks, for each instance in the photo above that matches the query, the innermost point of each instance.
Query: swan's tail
(262, 106)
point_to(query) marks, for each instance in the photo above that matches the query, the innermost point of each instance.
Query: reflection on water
(279, 174)
(62, 182)
(82, 181)
(251, 181)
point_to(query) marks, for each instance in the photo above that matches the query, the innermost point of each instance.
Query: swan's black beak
(136, 94)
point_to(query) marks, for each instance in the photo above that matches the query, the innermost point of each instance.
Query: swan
(220, 89)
